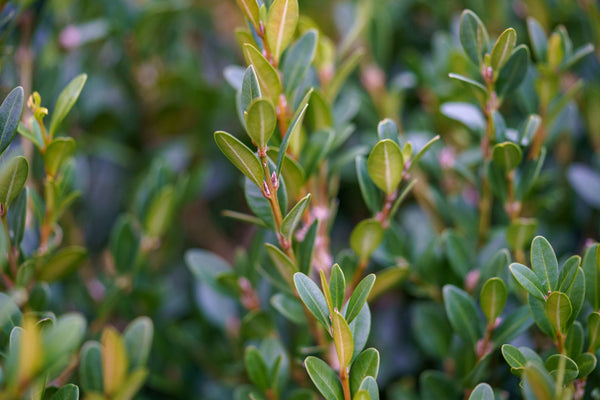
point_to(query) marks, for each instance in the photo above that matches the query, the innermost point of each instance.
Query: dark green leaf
(493, 298)
(90, 367)
(138, 342)
(65, 102)
(13, 176)
(553, 364)
(528, 280)
(558, 311)
(257, 369)
(313, 298)
(337, 286)
(297, 61)
(368, 189)
(544, 263)
(538, 39)
(591, 269)
(324, 378)
(473, 36)
(289, 307)
(293, 218)
(241, 156)
(514, 71)
(462, 313)
(10, 115)
(365, 364)
(359, 297)
(507, 156)
(64, 262)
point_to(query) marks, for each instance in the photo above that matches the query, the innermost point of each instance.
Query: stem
(345, 384)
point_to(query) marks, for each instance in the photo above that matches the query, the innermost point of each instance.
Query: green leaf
(503, 48)
(90, 367)
(283, 263)
(473, 36)
(387, 129)
(360, 328)
(17, 216)
(306, 248)
(370, 194)
(517, 322)
(63, 263)
(544, 263)
(465, 113)
(586, 363)
(138, 342)
(568, 273)
(293, 173)
(431, 318)
(462, 313)
(250, 90)
(576, 294)
(297, 61)
(594, 331)
(458, 253)
(538, 39)
(342, 73)
(480, 89)
(160, 212)
(261, 121)
(57, 153)
(529, 128)
(366, 237)
(293, 130)
(132, 385)
(493, 298)
(423, 151)
(577, 56)
(13, 176)
(513, 72)
(558, 311)
(574, 341)
(387, 279)
(361, 395)
(63, 339)
(537, 382)
(553, 364)
(64, 103)
(369, 384)
(513, 356)
(313, 298)
(591, 269)
(10, 115)
(67, 392)
(241, 156)
(324, 378)
(342, 337)
(528, 280)
(385, 165)
(359, 297)
(538, 311)
(507, 156)
(250, 9)
(483, 391)
(337, 287)
(281, 25)
(366, 364)
(257, 369)
(34, 135)
(289, 307)
(125, 243)
(268, 78)
(293, 218)
(520, 233)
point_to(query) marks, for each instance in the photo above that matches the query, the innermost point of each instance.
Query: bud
(266, 191)
(274, 180)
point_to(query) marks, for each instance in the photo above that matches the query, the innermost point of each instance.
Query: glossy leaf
(268, 78)
(324, 378)
(10, 115)
(250, 9)
(359, 297)
(528, 280)
(298, 60)
(493, 298)
(114, 361)
(13, 176)
(241, 156)
(366, 364)
(558, 311)
(473, 36)
(65, 102)
(544, 263)
(366, 237)
(514, 71)
(462, 313)
(257, 369)
(313, 298)
(342, 337)
(283, 263)
(293, 218)
(483, 391)
(281, 25)
(507, 156)
(337, 287)
(261, 121)
(503, 48)
(385, 165)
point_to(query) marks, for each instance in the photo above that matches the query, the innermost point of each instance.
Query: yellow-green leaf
(503, 48)
(385, 165)
(114, 361)
(281, 25)
(13, 176)
(342, 337)
(268, 78)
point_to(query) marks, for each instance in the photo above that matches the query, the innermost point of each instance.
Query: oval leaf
(293, 218)
(503, 48)
(10, 115)
(342, 337)
(359, 297)
(324, 378)
(281, 25)
(385, 165)
(241, 156)
(366, 237)
(558, 311)
(13, 176)
(493, 298)
(65, 102)
(544, 263)
(261, 121)
(313, 298)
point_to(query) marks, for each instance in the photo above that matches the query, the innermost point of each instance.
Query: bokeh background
(156, 93)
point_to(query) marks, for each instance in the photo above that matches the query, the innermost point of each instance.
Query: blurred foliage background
(156, 92)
